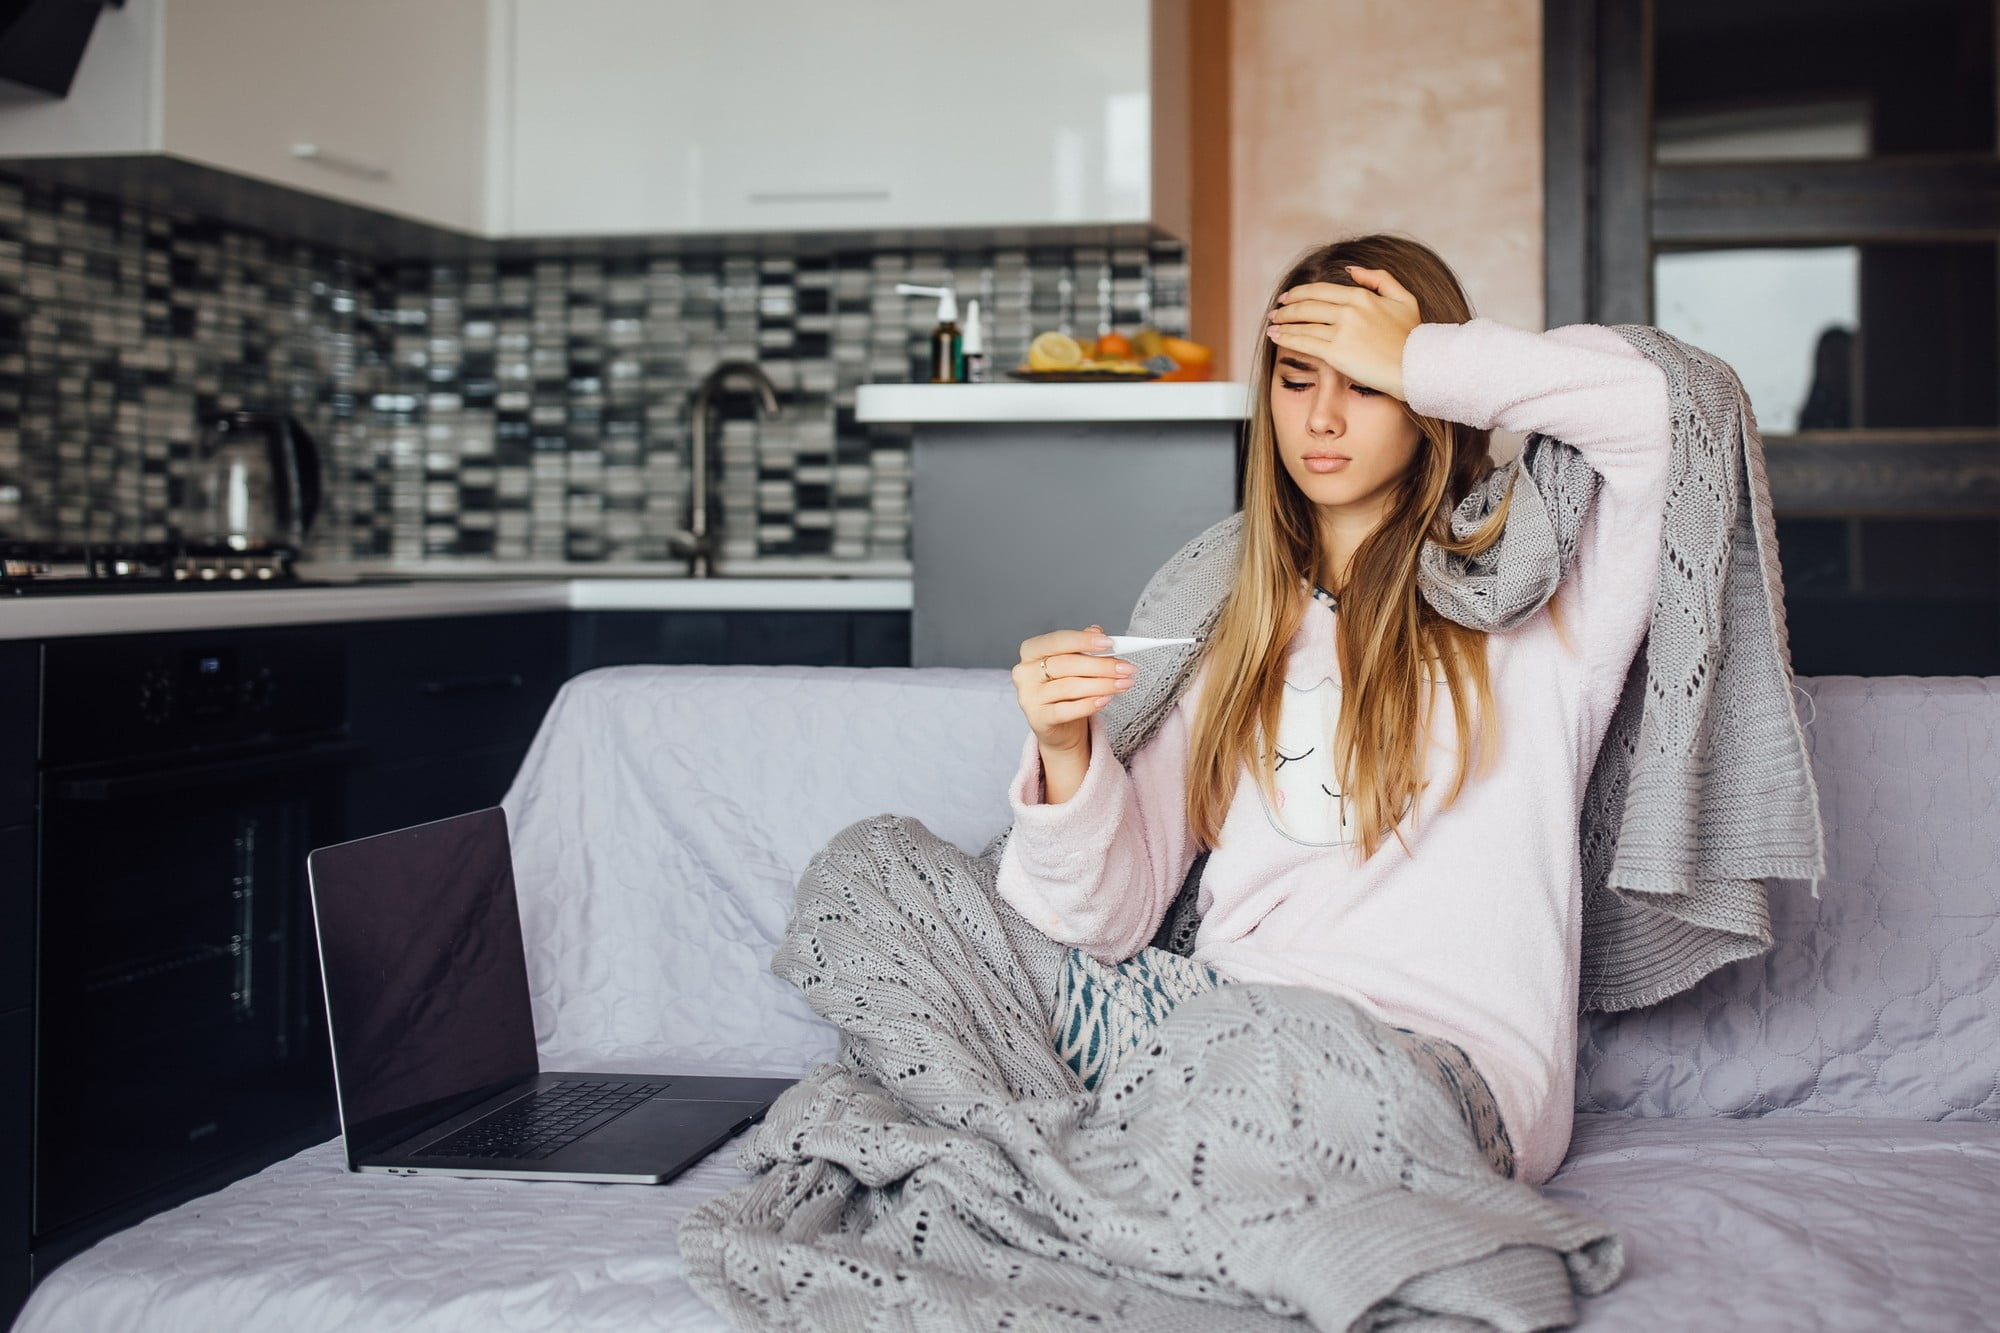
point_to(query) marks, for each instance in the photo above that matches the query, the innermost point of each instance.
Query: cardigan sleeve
(1588, 387)
(1099, 870)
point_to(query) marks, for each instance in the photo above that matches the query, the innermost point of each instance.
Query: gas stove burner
(226, 566)
(27, 567)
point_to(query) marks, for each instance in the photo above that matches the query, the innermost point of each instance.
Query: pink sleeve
(1588, 387)
(1098, 871)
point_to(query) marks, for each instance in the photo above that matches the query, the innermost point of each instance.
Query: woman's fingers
(1071, 663)
(1309, 312)
(1338, 293)
(1065, 688)
(1312, 339)
(1375, 283)
(1383, 282)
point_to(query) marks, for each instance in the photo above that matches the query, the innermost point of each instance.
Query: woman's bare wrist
(1062, 772)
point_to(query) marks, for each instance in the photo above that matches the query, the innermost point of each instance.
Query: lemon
(1054, 351)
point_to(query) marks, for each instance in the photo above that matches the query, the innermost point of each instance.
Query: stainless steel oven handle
(281, 763)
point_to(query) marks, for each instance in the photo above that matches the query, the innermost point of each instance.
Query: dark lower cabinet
(17, 1057)
(20, 718)
(17, 921)
(443, 711)
(17, 1061)
(397, 795)
(739, 638)
(440, 713)
(878, 638)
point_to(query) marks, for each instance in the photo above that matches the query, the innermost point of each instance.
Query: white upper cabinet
(650, 116)
(380, 103)
(635, 117)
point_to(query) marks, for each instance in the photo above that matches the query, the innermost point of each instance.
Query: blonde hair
(1387, 637)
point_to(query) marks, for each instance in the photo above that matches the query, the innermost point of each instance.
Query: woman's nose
(1326, 417)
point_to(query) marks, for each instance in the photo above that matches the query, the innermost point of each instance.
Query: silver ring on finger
(1045, 670)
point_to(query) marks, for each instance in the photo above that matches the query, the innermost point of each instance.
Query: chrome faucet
(698, 541)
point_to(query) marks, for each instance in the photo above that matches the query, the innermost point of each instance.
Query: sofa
(1804, 1140)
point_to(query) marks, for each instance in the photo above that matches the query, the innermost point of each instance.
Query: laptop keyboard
(544, 1122)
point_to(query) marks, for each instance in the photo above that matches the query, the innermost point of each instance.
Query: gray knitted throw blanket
(1702, 788)
(1273, 1155)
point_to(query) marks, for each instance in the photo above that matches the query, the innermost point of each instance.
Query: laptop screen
(426, 979)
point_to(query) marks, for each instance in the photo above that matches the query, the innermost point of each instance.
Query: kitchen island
(1036, 507)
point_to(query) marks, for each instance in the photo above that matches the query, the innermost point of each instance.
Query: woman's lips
(1326, 464)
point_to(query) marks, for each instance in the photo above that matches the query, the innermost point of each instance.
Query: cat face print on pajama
(1308, 807)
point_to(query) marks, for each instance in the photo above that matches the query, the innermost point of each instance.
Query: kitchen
(368, 371)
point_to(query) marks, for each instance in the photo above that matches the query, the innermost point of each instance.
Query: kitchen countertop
(59, 616)
(1201, 400)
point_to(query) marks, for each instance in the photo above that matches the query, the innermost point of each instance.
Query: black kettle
(255, 484)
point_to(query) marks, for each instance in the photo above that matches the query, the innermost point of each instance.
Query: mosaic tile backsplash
(512, 409)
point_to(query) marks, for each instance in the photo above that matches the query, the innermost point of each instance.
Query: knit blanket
(1272, 1155)
(1702, 788)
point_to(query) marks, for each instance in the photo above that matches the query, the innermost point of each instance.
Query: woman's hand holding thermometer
(1063, 677)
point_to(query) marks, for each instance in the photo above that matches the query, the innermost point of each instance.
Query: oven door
(180, 1023)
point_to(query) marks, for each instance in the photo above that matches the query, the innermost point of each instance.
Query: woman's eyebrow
(1297, 364)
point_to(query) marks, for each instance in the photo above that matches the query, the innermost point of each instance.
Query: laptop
(434, 1058)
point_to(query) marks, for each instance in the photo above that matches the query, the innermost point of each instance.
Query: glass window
(1785, 319)
(1845, 337)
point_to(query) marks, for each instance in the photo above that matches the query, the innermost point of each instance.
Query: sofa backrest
(662, 819)
(664, 815)
(1878, 998)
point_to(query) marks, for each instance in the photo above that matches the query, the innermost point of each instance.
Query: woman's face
(1345, 446)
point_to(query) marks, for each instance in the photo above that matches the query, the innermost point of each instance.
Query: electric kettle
(255, 484)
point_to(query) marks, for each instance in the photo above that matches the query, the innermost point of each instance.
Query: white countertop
(56, 616)
(1199, 400)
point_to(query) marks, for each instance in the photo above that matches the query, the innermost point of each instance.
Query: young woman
(1408, 836)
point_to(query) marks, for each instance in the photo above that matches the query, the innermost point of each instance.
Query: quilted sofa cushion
(662, 819)
(1879, 997)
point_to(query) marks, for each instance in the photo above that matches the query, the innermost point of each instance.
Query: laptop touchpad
(673, 1130)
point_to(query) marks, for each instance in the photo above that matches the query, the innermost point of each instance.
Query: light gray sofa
(1804, 1141)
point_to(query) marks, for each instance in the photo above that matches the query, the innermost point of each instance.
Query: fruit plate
(1083, 376)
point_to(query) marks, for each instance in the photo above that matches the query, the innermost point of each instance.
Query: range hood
(41, 41)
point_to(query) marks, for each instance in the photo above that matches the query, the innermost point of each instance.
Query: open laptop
(434, 1055)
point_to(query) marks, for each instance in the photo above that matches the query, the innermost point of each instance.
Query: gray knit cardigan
(1701, 789)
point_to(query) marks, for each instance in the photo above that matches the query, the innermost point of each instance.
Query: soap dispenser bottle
(947, 345)
(973, 345)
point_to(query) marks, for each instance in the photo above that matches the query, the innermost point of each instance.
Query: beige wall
(1419, 116)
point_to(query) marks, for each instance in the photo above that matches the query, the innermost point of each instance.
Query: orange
(1113, 345)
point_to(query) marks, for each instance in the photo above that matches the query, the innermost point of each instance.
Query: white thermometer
(1133, 643)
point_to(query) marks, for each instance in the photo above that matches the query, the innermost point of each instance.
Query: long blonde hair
(1387, 636)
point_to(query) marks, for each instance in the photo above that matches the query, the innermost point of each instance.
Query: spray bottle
(974, 345)
(947, 350)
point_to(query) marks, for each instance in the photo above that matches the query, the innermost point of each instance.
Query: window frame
(1610, 208)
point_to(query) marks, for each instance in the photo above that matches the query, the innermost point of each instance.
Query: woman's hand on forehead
(1358, 331)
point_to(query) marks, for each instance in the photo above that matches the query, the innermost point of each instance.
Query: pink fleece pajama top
(1474, 933)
